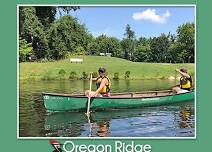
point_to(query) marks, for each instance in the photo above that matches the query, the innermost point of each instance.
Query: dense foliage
(42, 36)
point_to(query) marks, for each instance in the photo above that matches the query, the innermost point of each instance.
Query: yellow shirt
(106, 88)
(185, 83)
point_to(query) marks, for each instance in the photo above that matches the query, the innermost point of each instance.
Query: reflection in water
(164, 121)
(100, 128)
(186, 117)
(64, 124)
(127, 82)
(103, 128)
(167, 121)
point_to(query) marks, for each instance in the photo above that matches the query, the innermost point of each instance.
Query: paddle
(90, 125)
(176, 72)
(89, 98)
(175, 77)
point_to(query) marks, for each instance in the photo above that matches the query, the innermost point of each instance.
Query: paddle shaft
(89, 98)
(175, 77)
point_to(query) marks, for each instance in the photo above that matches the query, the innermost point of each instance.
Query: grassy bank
(62, 69)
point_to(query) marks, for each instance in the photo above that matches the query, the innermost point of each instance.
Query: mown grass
(138, 70)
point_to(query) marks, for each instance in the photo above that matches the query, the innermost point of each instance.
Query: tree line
(43, 37)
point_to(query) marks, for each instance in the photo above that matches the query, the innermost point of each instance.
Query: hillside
(138, 70)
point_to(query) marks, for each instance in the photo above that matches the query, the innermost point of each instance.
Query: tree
(108, 45)
(142, 53)
(66, 35)
(182, 46)
(159, 47)
(32, 31)
(102, 42)
(100, 38)
(128, 44)
(46, 15)
(142, 50)
(130, 34)
(25, 50)
(80, 50)
(93, 48)
(67, 9)
(125, 44)
(44, 36)
(115, 47)
(34, 25)
(186, 41)
(143, 41)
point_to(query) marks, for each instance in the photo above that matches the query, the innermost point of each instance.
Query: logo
(148, 99)
(56, 145)
(70, 146)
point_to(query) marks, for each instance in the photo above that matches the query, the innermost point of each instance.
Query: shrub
(116, 76)
(44, 60)
(95, 75)
(163, 77)
(68, 55)
(25, 50)
(73, 75)
(127, 74)
(62, 73)
(84, 75)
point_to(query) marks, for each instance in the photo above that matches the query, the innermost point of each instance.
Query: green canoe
(72, 102)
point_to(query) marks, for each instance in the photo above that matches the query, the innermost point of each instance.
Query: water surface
(176, 120)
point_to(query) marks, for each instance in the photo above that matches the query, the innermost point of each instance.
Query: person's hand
(177, 70)
(93, 94)
(90, 94)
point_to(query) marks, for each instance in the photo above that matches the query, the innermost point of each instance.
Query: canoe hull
(55, 102)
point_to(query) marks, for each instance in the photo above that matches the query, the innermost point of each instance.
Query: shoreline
(171, 78)
(115, 68)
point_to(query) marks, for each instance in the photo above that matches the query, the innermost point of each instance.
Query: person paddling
(185, 82)
(103, 85)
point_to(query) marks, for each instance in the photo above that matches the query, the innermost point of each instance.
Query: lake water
(176, 120)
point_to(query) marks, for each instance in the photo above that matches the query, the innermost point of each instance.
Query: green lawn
(138, 70)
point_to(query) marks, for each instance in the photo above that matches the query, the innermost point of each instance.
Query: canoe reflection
(175, 120)
(64, 124)
(74, 124)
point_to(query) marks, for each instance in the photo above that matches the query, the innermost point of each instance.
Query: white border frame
(107, 5)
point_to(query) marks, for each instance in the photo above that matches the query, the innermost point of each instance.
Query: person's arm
(183, 73)
(104, 82)
(94, 79)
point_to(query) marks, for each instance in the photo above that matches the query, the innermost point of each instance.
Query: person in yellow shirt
(185, 82)
(103, 85)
